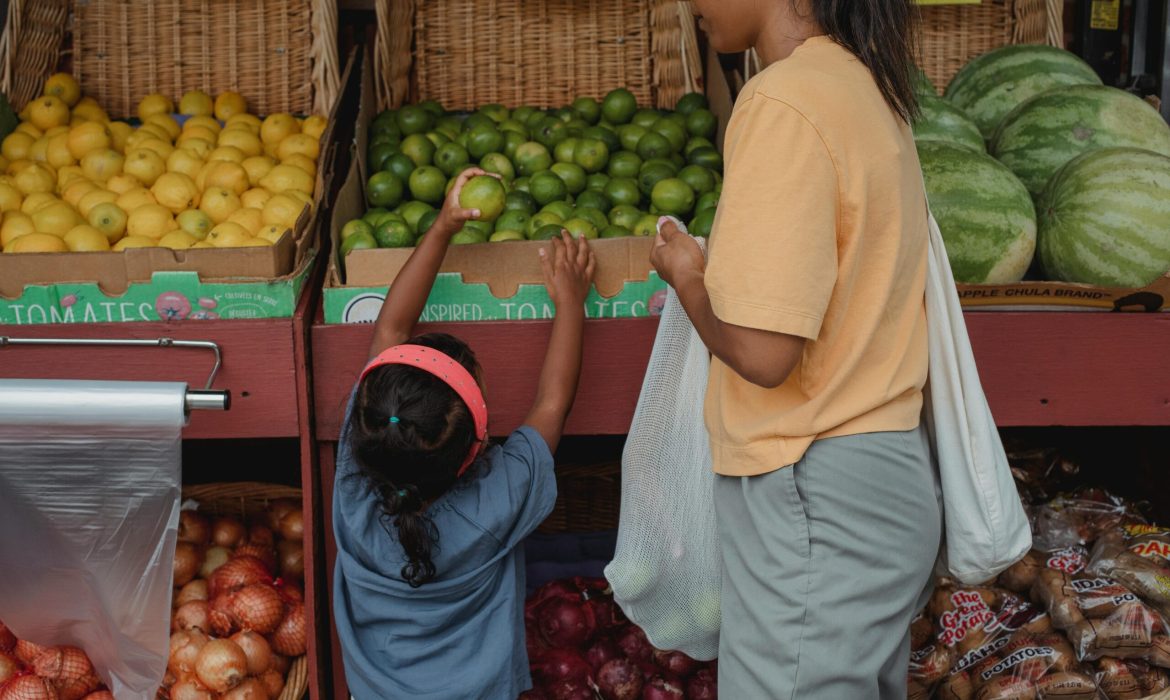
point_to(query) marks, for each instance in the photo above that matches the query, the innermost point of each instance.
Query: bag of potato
(1147, 576)
(1121, 679)
(1021, 576)
(1079, 519)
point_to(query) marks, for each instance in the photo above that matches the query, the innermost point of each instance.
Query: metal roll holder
(206, 399)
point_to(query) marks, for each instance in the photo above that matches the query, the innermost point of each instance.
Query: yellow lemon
(56, 218)
(167, 123)
(250, 219)
(16, 145)
(57, 151)
(47, 112)
(84, 238)
(273, 232)
(227, 235)
(28, 128)
(86, 204)
(15, 224)
(248, 121)
(203, 122)
(199, 147)
(198, 132)
(69, 174)
(219, 203)
(277, 127)
(257, 167)
(101, 166)
(314, 126)
(88, 137)
(256, 197)
(184, 161)
(229, 154)
(39, 151)
(303, 162)
(120, 132)
(196, 103)
(132, 199)
(34, 177)
(56, 130)
(74, 191)
(37, 243)
(110, 219)
(37, 201)
(147, 132)
(176, 192)
(282, 210)
(195, 222)
(154, 104)
(202, 244)
(228, 104)
(163, 148)
(16, 166)
(121, 184)
(300, 143)
(64, 87)
(10, 197)
(90, 111)
(247, 142)
(177, 240)
(136, 242)
(144, 165)
(151, 221)
(286, 177)
(225, 174)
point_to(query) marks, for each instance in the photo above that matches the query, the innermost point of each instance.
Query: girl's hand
(452, 216)
(676, 256)
(568, 266)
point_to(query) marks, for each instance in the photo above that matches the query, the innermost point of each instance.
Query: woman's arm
(763, 358)
(407, 296)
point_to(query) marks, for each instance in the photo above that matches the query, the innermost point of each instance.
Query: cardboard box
(1062, 296)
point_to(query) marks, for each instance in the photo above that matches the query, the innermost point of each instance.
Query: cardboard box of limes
(604, 169)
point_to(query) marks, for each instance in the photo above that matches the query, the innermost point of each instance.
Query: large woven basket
(466, 53)
(242, 499)
(588, 498)
(281, 55)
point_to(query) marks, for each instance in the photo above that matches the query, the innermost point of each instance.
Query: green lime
(532, 157)
(520, 184)
(673, 196)
(593, 199)
(619, 106)
(541, 220)
(587, 109)
(356, 226)
(609, 137)
(428, 184)
(646, 118)
(523, 114)
(385, 122)
(697, 142)
(615, 232)
(520, 201)
(624, 190)
(708, 200)
(450, 157)
(449, 126)
(593, 216)
(690, 102)
(678, 160)
(394, 234)
(596, 182)
(485, 193)
(675, 134)
(419, 149)
(476, 120)
(358, 241)
(468, 236)
(581, 228)
(512, 220)
(624, 216)
(564, 114)
(534, 119)
(433, 107)
(384, 217)
(572, 175)
(560, 207)
(379, 155)
(701, 224)
(413, 119)
(591, 154)
(679, 119)
(624, 164)
(412, 213)
(563, 153)
(497, 112)
(401, 165)
(515, 126)
(707, 157)
(483, 140)
(698, 178)
(646, 226)
(499, 164)
(426, 221)
(547, 187)
(384, 189)
(547, 233)
(654, 145)
(373, 215)
(512, 141)
(437, 138)
(383, 139)
(630, 135)
(702, 122)
(484, 227)
(506, 235)
(650, 175)
(550, 132)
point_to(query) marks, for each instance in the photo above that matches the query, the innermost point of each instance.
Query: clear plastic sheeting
(665, 574)
(89, 513)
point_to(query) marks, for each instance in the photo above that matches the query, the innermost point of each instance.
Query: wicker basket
(241, 499)
(954, 34)
(588, 498)
(466, 53)
(281, 55)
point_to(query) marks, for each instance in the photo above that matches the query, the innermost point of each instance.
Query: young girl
(812, 305)
(429, 585)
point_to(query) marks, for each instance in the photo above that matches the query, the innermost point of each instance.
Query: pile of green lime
(597, 169)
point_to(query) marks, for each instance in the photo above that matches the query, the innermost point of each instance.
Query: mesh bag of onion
(665, 572)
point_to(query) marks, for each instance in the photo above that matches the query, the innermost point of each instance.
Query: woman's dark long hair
(414, 458)
(883, 34)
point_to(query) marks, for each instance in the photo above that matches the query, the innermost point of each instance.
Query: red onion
(195, 615)
(533, 644)
(70, 671)
(602, 651)
(227, 532)
(658, 688)
(703, 685)
(190, 689)
(674, 663)
(264, 554)
(193, 591)
(273, 681)
(184, 651)
(278, 509)
(533, 694)
(221, 665)
(290, 638)
(634, 645)
(257, 650)
(261, 535)
(292, 559)
(28, 688)
(213, 559)
(249, 689)
(26, 651)
(193, 527)
(570, 690)
(565, 624)
(562, 665)
(238, 573)
(620, 679)
(292, 525)
(7, 638)
(187, 562)
(9, 667)
(607, 614)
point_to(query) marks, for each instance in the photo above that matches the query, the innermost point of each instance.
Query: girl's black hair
(883, 34)
(413, 459)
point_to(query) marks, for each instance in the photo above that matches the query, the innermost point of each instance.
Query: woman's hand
(568, 266)
(676, 256)
(452, 216)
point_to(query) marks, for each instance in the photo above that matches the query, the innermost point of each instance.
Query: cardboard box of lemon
(196, 191)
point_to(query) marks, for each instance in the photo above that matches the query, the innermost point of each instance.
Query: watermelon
(1051, 129)
(995, 83)
(1104, 219)
(942, 121)
(922, 83)
(984, 213)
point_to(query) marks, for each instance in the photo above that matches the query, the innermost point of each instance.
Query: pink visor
(454, 374)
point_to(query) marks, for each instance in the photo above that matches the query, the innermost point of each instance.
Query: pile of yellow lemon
(74, 180)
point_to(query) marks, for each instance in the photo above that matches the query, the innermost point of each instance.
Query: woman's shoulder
(821, 79)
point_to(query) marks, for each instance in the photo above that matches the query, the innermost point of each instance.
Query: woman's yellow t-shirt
(820, 233)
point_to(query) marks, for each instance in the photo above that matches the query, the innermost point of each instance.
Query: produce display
(581, 647)
(598, 169)
(29, 671)
(942, 121)
(209, 176)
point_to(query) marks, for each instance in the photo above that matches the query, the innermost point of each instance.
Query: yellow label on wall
(1104, 14)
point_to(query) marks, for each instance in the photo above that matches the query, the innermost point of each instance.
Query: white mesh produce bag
(665, 574)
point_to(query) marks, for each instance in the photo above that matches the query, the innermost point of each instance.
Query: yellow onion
(215, 558)
(29, 688)
(273, 680)
(257, 650)
(195, 615)
(10, 666)
(195, 590)
(227, 532)
(258, 607)
(221, 665)
(291, 554)
(290, 639)
(70, 671)
(193, 527)
(250, 689)
(184, 651)
(187, 562)
(292, 525)
(279, 509)
(190, 689)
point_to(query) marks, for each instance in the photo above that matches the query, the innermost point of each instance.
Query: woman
(812, 305)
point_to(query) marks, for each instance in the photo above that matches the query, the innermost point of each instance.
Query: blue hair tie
(394, 420)
(402, 493)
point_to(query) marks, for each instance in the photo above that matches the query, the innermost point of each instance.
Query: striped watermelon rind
(984, 213)
(923, 84)
(990, 86)
(942, 121)
(1051, 129)
(1104, 219)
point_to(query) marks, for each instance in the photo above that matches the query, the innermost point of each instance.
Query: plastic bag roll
(89, 511)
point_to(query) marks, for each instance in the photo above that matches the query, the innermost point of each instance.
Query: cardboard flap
(1153, 297)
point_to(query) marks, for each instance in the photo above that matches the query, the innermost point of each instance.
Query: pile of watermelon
(1033, 167)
